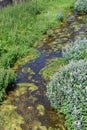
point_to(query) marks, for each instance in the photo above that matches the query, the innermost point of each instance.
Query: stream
(32, 104)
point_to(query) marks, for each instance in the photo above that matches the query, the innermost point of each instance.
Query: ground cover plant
(81, 6)
(68, 91)
(7, 77)
(76, 50)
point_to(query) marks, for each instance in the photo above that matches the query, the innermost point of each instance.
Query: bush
(7, 77)
(76, 51)
(68, 89)
(81, 6)
(9, 58)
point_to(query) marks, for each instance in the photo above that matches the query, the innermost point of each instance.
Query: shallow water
(32, 104)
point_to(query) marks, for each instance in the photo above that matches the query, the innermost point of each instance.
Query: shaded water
(33, 105)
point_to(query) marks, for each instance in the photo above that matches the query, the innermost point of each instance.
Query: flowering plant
(81, 6)
(68, 91)
(76, 51)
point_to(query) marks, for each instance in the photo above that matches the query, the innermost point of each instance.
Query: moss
(41, 109)
(37, 125)
(51, 67)
(20, 91)
(33, 99)
(27, 70)
(56, 46)
(33, 87)
(23, 86)
(9, 119)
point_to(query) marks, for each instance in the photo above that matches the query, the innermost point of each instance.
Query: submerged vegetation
(52, 66)
(9, 118)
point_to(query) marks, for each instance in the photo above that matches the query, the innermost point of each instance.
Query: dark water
(24, 102)
(36, 66)
(34, 106)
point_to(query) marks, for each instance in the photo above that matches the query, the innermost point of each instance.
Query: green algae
(9, 118)
(52, 66)
(20, 90)
(76, 27)
(56, 46)
(37, 126)
(32, 87)
(41, 109)
(23, 87)
(27, 70)
(32, 98)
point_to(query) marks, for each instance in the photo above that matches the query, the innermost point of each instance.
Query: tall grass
(25, 23)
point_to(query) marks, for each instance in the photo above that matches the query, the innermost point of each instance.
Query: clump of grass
(7, 78)
(60, 16)
(50, 33)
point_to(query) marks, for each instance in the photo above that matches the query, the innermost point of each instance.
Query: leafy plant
(81, 6)
(2, 50)
(76, 50)
(36, 7)
(7, 77)
(68, 90)
(50, 33)
(60, 16)
(10, 58)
